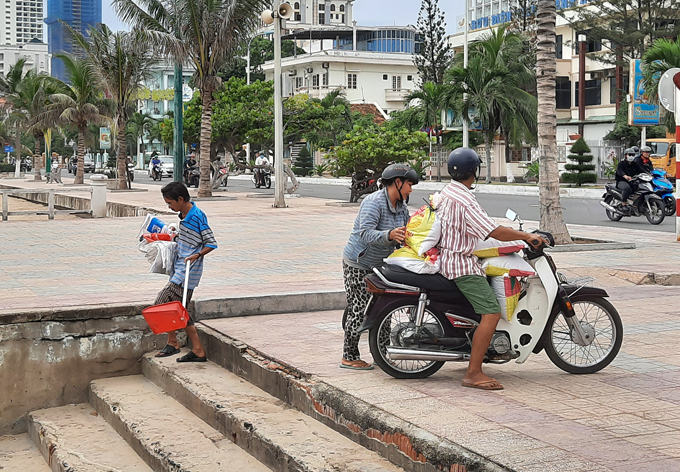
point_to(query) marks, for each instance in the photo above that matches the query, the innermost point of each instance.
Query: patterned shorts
(174, 293)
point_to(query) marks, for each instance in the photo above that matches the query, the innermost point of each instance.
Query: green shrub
(581, 172)
(304, 164)
(532, 171)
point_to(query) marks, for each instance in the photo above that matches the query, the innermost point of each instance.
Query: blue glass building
(80, 15)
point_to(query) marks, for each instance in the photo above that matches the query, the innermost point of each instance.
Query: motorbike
(417, 322)
(220, 176)
(645, 201)
(131, 171)
(193, 176)
(267, 177)
(664, 188)
(25, 165)
(157, 172)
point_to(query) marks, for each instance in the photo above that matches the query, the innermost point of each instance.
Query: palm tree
(121, 63)
(432, 99)
(79, 105)
(9, 87)
(205, 33)
(664, 54)
(138, 125)
(552, 219)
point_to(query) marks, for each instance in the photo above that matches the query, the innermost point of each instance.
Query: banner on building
(642, 111)
(105, 138)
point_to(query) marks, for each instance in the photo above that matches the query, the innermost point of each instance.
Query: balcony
(319, 92)
(396, 95)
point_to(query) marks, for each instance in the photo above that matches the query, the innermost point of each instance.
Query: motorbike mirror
(511, 215)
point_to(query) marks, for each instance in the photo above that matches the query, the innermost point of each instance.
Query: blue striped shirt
(194, 235)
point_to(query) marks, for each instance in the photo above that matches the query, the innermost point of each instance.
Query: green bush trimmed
(581, 172)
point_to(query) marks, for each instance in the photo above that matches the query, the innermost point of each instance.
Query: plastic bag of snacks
(409, 259)
(424, 229)
(494, 248)
(507, 290)
(512, 265)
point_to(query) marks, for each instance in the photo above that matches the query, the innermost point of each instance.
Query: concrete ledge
(222, 198)
(260, 195)
(129, 190)
(400, 442)
(269, 304)
(599, 246)
(343, 204)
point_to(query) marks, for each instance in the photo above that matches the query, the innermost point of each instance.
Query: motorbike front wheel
(268, 181)
(390, 329)
(610, 214)
(669, 206)
(657, 215)
(602, 326)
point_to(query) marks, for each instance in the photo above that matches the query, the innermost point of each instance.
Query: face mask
(630, 158)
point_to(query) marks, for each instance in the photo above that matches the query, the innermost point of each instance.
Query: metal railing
(51, 211)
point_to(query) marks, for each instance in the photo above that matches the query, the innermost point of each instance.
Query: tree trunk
(508, 159)
(487, 147)
(552, 219)
(121, 154)
(204, 187)
(80, 172)
(37, 161)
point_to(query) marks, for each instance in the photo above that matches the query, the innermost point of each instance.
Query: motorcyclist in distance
(261, 160)
(189, 162)
(643, 161)
(625, 171)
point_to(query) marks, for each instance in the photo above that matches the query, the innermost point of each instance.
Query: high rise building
(80, 15)
(22, 21)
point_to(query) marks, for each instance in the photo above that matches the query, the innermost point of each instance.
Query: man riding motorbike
(625, 171)
(464, 223)
(261, 160)
(643, 161)
(189, 162)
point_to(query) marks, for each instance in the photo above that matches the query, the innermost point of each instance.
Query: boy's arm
(205, 251)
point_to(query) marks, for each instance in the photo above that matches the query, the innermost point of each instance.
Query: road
(576, 210)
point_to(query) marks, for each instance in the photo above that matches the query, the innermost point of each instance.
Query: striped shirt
(464, 223)
(194, 235)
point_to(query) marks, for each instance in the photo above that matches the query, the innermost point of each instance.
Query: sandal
(191, 357)
(168, 350)
(355, 365)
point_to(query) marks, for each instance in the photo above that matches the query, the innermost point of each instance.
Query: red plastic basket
(166, 317)
(169, 316)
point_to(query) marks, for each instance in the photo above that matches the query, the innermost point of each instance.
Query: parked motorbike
(267, 177)
(193, 176)
(220, 176)
(418, 322)
(25, 165)
(644, 201)
(664, 188)
(157, 172)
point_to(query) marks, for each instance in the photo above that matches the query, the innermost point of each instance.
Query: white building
(371, 65)
(321, 12)
(34, 51)
(22, 21)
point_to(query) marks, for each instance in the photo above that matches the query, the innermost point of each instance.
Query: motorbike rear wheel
(610, 214)
(268, 181)
(669, 206)
(601, 323)
(389, 329)
(657, 215)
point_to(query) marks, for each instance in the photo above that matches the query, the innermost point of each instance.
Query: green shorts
(478, 292)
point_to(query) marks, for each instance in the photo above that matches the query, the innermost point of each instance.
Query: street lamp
(466, 139)
(282, 11)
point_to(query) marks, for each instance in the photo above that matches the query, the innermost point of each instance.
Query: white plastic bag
(408, 258)
(512, 264)
(161, 256)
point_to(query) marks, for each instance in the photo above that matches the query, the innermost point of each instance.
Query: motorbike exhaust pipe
(609, 207)
(406, 354)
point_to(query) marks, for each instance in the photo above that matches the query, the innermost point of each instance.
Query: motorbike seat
(614, 191)
(429, 282)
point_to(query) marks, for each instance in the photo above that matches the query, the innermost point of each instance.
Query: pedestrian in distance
(194, 242)
(379, 228)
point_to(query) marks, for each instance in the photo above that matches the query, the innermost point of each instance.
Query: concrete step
(283, 438)
(165, 434)
(75, 438)
(19, 454)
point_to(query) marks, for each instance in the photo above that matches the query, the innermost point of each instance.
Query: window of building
(315, 81)
(558, 46)
(396, 82)
(613, 86)
(322, 18)
(298, 82)
(342, 8)
(593, 92)
(385, 77)
(325, 79)
(409, 78)
(332, 7)
(563, 93)
(351, 81)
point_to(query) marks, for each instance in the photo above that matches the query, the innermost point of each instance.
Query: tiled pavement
(624, 418)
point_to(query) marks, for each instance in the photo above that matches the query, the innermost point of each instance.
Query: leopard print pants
(357, 299)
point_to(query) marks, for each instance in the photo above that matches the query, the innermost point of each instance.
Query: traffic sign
(9, 148)
(667, 89)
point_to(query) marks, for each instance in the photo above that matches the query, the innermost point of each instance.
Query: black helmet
(399, 171)
(463, 163)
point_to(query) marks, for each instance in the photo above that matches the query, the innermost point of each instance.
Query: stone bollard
(98, 195)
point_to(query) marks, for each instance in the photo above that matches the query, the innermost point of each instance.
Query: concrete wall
(48, 358)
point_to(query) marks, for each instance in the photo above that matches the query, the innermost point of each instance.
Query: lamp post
(282, 11)
(581, 82)
(466, 137)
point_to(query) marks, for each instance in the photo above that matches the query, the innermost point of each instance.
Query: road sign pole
(676, 81)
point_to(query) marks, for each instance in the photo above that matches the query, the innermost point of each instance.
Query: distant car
(168, 165)
(88, 165)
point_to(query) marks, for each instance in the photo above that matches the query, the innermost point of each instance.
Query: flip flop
(168, 350)
(354, 367)
(485, 385)
(191, 357)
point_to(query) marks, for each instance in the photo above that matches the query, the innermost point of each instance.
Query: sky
(366, 12)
